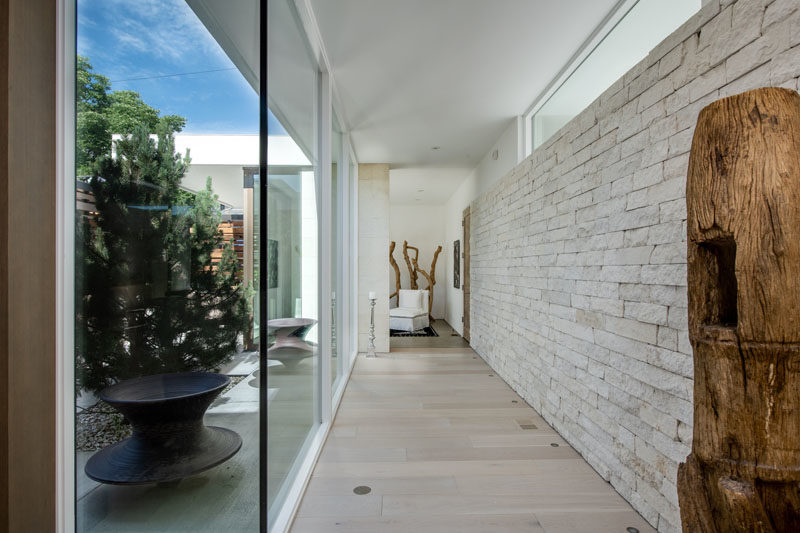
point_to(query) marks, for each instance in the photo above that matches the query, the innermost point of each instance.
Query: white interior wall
(226, 180)
(422, 226)
(481, 179)
(453, 211)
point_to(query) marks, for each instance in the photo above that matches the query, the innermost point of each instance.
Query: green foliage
(148, 299)
(127, 111)
(92, 139)
(102, 112)
(91, 89)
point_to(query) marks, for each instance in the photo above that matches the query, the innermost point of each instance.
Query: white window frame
(618, 12)
(352, 235)
(340, 256)
(65, 265)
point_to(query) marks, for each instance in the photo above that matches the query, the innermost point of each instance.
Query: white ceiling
(424, 186)
(413, 74)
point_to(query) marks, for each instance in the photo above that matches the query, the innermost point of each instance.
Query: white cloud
(167, 29)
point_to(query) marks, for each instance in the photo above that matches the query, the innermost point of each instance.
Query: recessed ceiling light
(435, 147)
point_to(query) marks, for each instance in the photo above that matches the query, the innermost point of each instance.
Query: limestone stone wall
(579, 253)
(373, 253)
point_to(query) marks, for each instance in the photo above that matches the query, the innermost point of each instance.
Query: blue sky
(141, 45)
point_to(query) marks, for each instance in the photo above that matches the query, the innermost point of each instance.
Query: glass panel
(293, 264)
(352, 224)
(166, 352)
(639, 31)
(337, 182)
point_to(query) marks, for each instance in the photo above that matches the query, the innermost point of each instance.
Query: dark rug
(424, 332)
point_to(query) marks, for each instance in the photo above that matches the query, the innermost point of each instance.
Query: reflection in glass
(166, 352)
(292, 268)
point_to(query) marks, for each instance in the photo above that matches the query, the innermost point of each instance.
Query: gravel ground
(101, 425)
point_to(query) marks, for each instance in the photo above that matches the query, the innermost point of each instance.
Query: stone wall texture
(579, 253)
(373, 251)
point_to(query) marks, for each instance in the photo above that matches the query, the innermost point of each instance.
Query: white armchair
(411, 312)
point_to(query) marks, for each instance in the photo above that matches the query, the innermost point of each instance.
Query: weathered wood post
(743, 211)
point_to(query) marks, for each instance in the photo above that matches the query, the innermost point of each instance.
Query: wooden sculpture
(414, 271)
(431, 279)
(743, 210)
(396, 271)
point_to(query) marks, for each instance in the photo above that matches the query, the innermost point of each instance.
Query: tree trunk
(743, 211)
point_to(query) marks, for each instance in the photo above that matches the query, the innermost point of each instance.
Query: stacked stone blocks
(578, 263)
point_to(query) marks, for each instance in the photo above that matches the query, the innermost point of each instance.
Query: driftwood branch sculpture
(430, 278)
(433, 265)
(412, 273)
(744, 309)
(396, 271)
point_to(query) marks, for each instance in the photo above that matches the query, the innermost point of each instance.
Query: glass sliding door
(201, 402)
(167, 433)
(293, 262)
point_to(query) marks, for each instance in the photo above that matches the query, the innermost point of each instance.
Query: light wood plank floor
(445, 445)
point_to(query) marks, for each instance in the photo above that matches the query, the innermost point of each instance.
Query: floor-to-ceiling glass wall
(170, 226)
(293, 262)
(166, 352)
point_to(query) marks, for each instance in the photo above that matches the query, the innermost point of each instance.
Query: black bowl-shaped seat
(169, 440)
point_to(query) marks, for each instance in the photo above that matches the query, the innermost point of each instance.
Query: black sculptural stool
(290, 346)
(169, 440)
(291, 327)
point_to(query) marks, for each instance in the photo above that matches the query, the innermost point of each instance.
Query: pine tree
(149, 299)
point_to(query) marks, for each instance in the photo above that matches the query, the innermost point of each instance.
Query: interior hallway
(445, 445)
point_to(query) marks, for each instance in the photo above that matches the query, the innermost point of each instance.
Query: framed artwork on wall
(457, 264)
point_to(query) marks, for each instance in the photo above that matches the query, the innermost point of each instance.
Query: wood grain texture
(4, 267)
(430, 278)
(743, 209)
(412, 273)
(30, 275)
(438, 438)
(396, 270)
